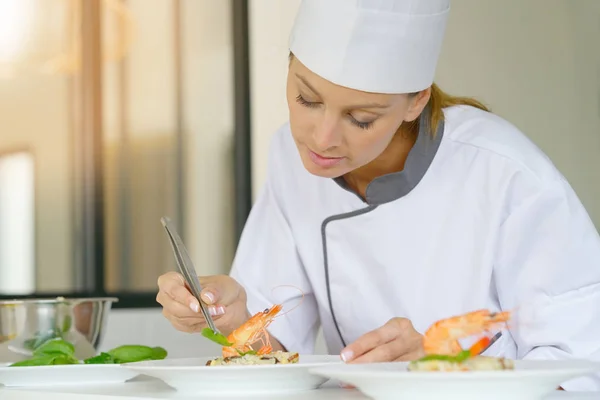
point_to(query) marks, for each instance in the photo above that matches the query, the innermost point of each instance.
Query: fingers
(172, 286)
(221, 289)
(182, 312)
(397, 340)
(391, 351)
(368, 342)
(180, 307)
(184, 326)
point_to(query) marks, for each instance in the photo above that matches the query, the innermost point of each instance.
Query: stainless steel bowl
(26, 324)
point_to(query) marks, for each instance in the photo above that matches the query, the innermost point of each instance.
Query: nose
(327, 135)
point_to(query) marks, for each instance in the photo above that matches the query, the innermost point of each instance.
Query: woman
(391, 205)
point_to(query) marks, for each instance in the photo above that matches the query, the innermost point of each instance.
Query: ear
(417, 104)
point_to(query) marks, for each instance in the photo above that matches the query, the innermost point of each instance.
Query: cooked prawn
(252, 331)
(442, 337)
(255, 330)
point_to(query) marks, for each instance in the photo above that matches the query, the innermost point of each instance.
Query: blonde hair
(436, 104)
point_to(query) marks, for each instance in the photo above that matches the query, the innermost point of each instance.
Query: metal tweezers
(492, 341)
(187, 269)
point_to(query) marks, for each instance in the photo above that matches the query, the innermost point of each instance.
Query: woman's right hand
(224, 295)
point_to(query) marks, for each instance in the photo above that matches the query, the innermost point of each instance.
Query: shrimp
(442, 337)
(250, 332)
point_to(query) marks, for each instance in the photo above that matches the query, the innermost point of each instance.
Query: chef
(389, 205)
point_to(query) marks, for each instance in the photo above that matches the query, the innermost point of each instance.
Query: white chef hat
(382, 46)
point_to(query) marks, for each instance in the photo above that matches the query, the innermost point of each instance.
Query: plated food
(476, 363)
(238, 345)
(277, 357)
(444, 352)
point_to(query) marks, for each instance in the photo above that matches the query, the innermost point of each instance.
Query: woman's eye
(361, 125)
(305, 103)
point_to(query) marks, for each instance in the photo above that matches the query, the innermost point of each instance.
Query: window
(152, 117)
(17, 251)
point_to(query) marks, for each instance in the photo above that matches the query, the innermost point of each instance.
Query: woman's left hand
(397, 340)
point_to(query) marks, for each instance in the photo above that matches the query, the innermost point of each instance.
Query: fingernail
(194, 306)
(346, 355)
(209, 297)
(214, 311)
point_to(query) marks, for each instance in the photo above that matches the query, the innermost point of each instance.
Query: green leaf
(463, 355)
(216, 337)
(40, 338)
(159, 353)
(55, 346)
(60, 352)
(241, 353)
(460, 357)
(67, 322)
(64, 360)
(102, 358)
(36, 361)
(47, 359)
(135, 353)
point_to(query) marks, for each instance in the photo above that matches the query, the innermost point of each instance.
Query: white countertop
(148, 388)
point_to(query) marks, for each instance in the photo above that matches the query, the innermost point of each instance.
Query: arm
(548, 270)
(268, 266)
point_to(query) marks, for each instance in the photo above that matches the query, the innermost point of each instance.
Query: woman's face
(337, 129)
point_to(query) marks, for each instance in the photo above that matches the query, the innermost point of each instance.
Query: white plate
(530, 380)
(192, 376)
(64, 375)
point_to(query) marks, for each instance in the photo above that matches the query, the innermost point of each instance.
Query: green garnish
(60, 352)
(102, 358)
(135, 353)
(460, 357)
(216, 337)
(40, 338)
(242, 354)
(48, 359)
(55, 346)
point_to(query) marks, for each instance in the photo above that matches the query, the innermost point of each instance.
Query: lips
(324, 162)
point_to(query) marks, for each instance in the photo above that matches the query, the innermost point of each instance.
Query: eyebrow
(358, 106)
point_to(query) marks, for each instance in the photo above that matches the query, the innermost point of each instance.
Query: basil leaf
(60, 352)
(242, 354)
(463, 355)
(102, 358)
(216, 337)
(34, 362)
(159, 353)
(460, 357)
(64, 360)
(47, 359)
(40, 338)
(135, 353)
(55, 346)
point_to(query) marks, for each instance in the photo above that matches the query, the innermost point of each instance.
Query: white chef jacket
(479, 218)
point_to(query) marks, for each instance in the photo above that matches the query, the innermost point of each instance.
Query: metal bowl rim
(69, 300)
